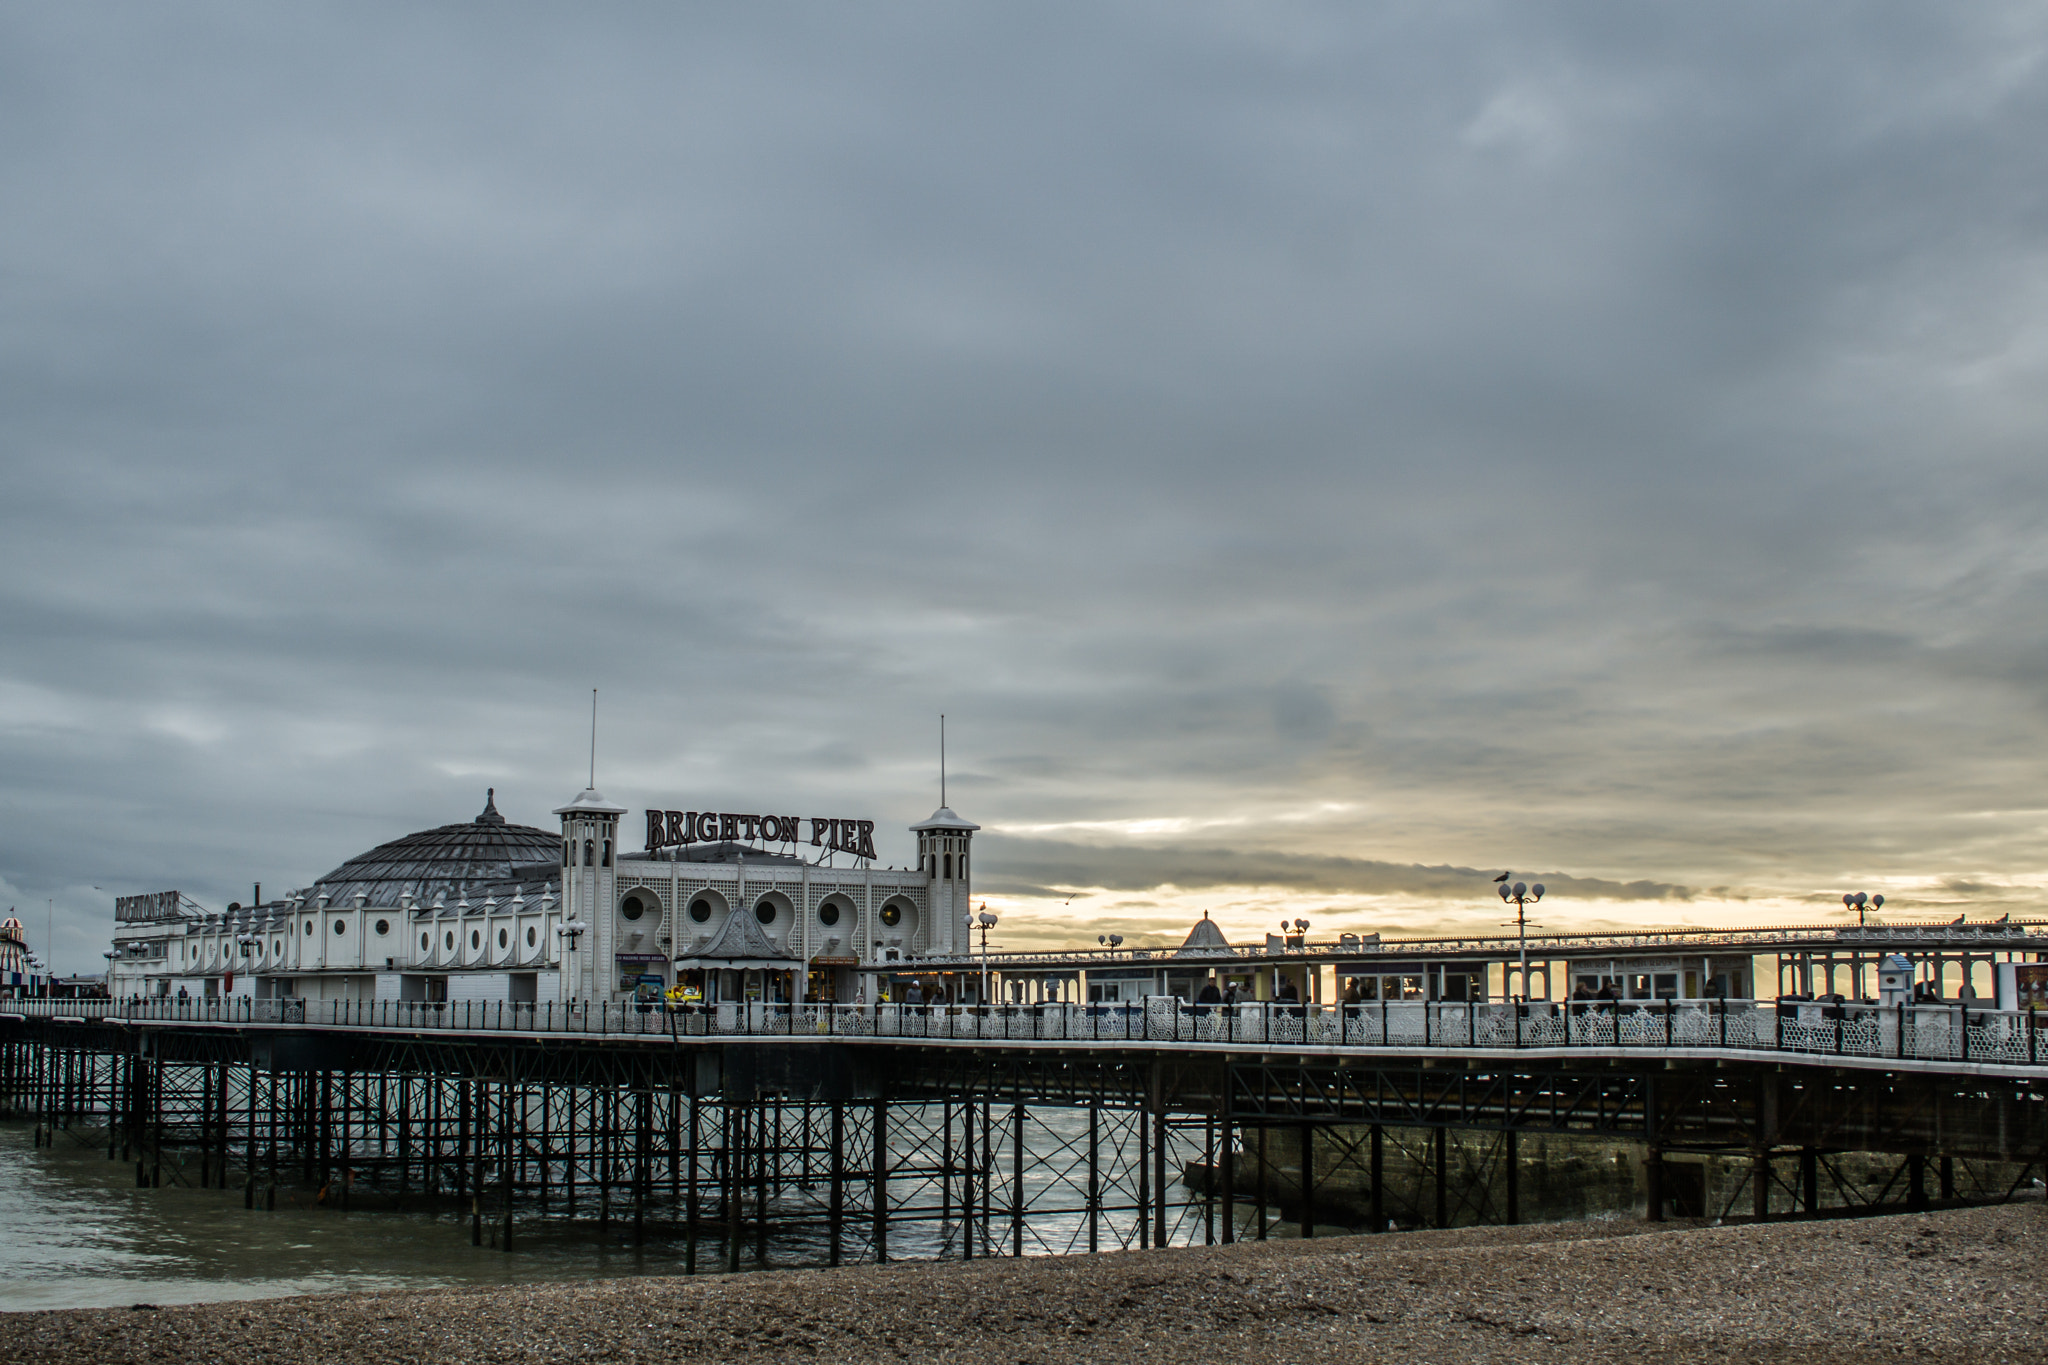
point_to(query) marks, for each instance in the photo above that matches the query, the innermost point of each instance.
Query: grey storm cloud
(1398, 437)
(1049, 868)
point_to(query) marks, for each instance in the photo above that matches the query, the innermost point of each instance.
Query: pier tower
(943, 841)
(590, 847)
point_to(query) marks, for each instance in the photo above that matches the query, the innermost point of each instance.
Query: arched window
(949, 867)
(568, 853)
(607, 853)
(963, 867)
(589, 853)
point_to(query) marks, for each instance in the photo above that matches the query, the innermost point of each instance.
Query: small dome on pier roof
(1205, 937)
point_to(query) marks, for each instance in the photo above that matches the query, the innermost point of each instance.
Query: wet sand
(1965, 1285)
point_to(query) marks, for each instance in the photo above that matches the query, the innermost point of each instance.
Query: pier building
(736, 906)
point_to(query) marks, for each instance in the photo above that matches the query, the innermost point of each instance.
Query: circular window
(765, 912)
(501, 938)
(426, 942)
(633, 908)
(451, 940)
(309, 926)
(383, 927)
(892, 915)
(828, 914)
(341, 926)
(476, 940)
(700, 911)
(529, 936)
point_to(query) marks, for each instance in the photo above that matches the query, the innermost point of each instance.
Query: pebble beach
(1963, 1285)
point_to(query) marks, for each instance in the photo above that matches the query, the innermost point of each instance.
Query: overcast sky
(1317, 456)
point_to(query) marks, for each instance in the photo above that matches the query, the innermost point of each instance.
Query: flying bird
(1504, 876)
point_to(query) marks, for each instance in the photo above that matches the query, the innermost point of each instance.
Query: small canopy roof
(1204, 940)
(590, 801)
(739, 943)
(943, 819)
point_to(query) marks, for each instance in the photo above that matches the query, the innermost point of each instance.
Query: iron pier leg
(1017, 1180)
(1945, 1168)
(1308, 1180)
(1158, 1160)
(835, 1188)
(1916, 1182)
(1809, 1179)
(881, 1180)
(1443, 1177)
(1264, 1185)
(690, 1197)
(1512, 1144)
(769, 1150)
(967, 1180)
(1210, 1162)
(1760, 1185)
(1094, 1181)
(1653, 1184)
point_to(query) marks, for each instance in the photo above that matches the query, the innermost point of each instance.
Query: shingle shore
(1963, 1285)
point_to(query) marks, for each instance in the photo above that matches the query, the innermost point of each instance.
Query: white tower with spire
(590, 849)
(943, 841)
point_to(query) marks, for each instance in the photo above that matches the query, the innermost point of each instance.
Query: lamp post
(1522, 895)
(1858, 901)
(987, 921)
(570, 932)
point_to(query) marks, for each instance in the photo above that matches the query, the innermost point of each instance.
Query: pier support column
(1809, 1180)
(1511, 1147)
(1760, 1185)
(1442, 1163)
(881, 1180)
(1308, 1180)
(1653, 1184)
(1945, 1169)
(1916, 1182)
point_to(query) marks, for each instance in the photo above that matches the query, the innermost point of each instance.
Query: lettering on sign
(154, 906)
(673, 828)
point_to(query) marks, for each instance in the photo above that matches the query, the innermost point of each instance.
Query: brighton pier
(788, 1083)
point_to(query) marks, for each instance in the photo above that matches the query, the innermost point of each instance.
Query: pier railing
(1938, 1032)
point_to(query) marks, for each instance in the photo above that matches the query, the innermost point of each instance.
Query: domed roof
(447, 862)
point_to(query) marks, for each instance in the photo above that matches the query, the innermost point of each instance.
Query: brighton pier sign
(672, 828)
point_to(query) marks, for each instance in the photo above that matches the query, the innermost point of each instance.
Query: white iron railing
(1942, 1032)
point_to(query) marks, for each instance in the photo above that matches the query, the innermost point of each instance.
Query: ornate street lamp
(1521, 895)
(1858, 901)
(987, 921)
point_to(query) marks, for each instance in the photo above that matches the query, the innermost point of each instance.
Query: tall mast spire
(942, 758)
(593, 739)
